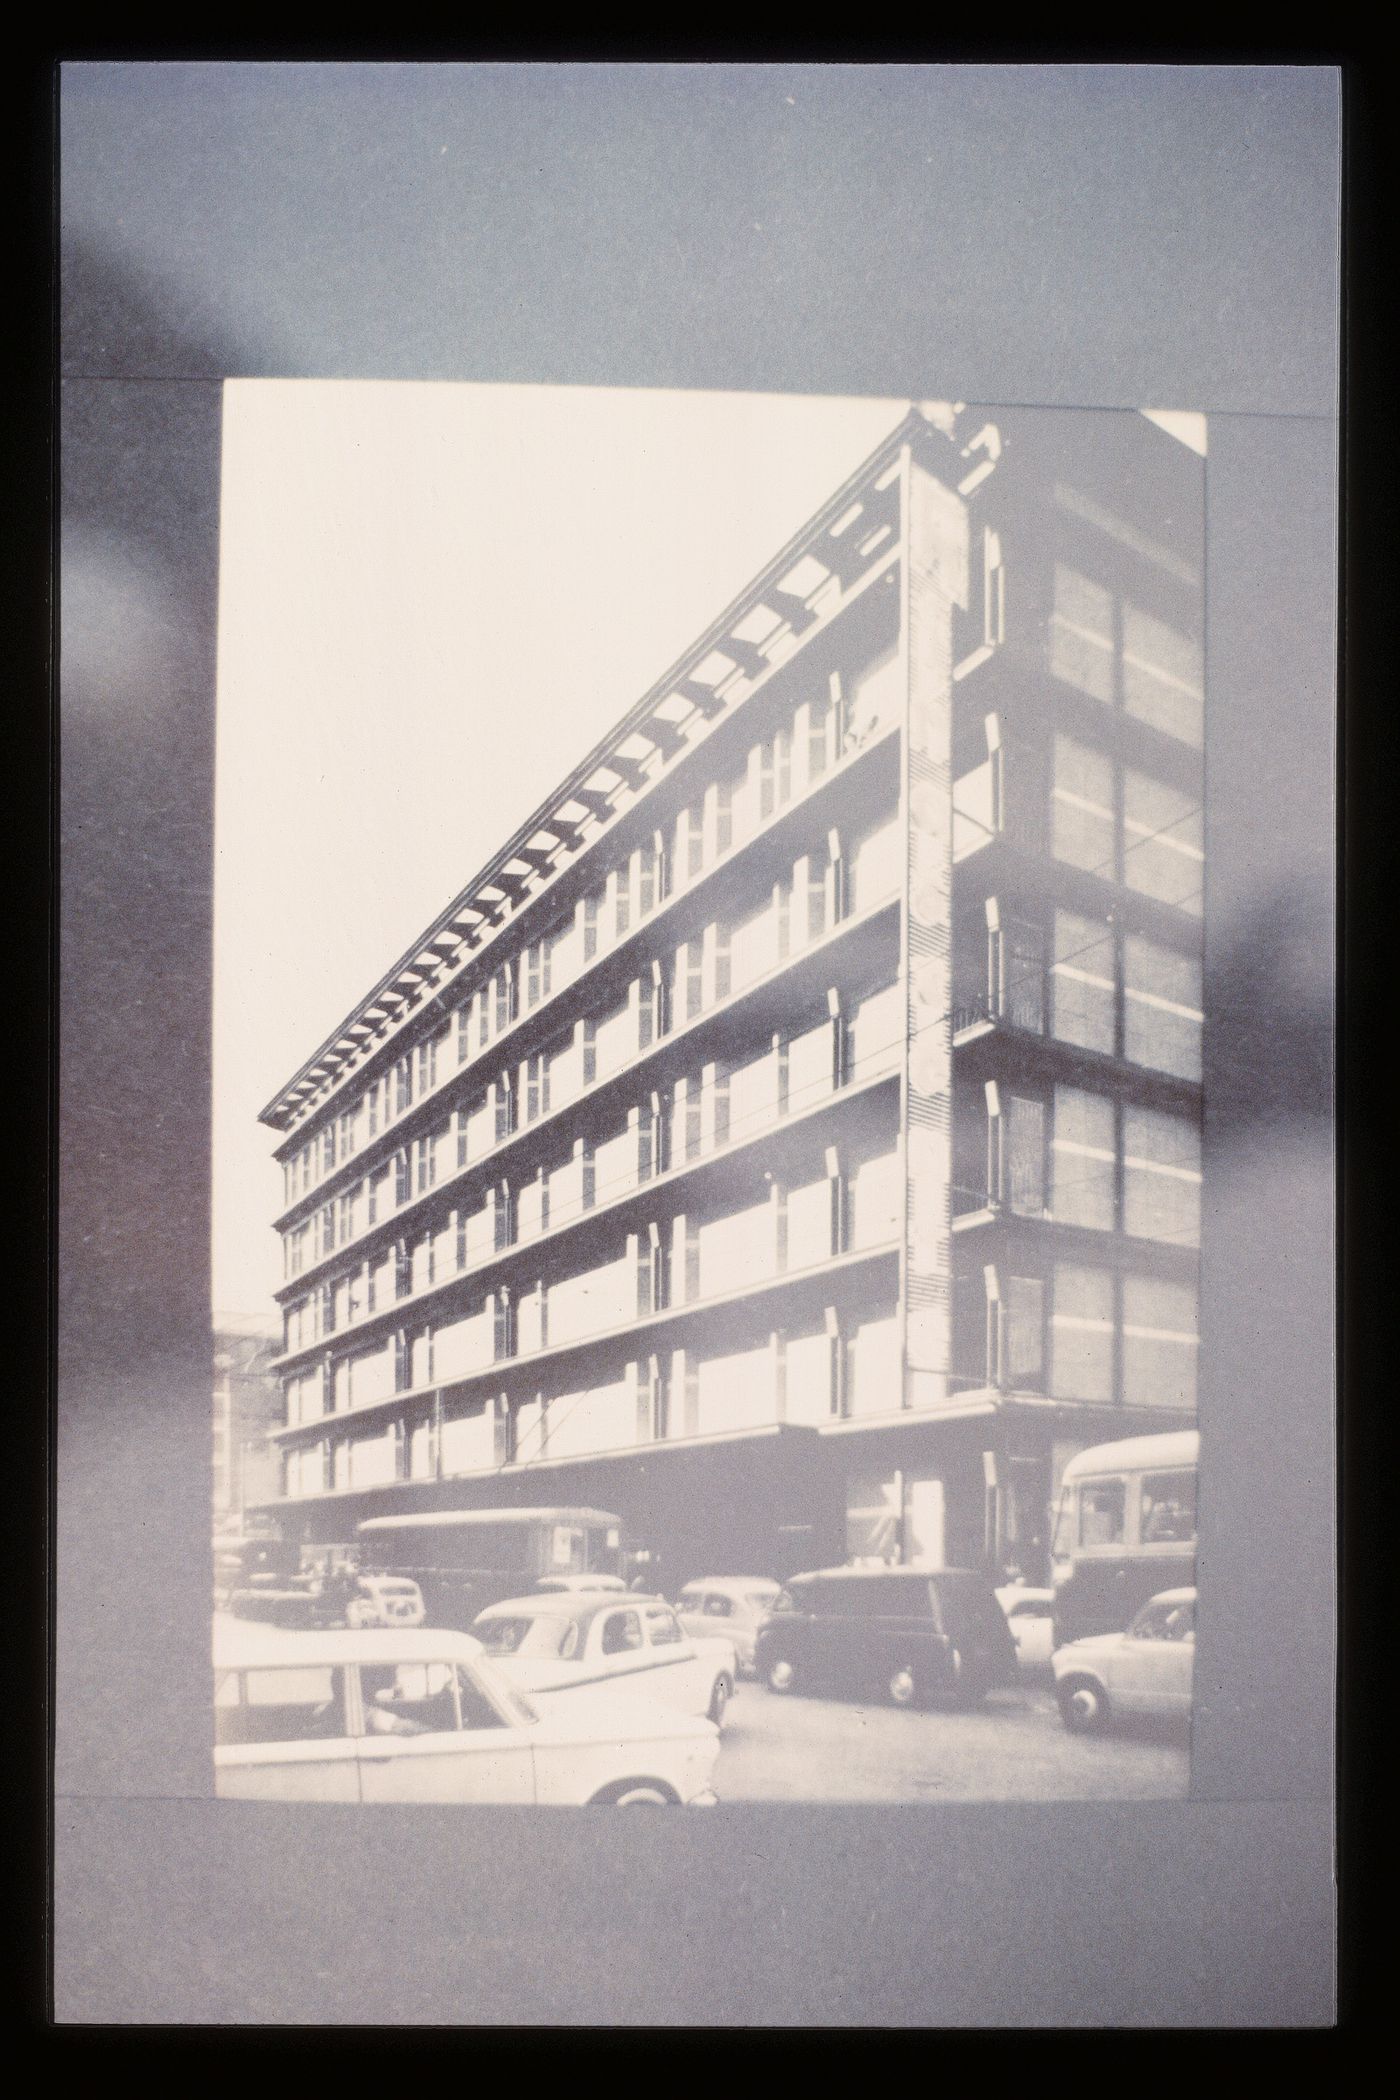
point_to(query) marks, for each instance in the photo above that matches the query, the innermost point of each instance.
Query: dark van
(915, 1636)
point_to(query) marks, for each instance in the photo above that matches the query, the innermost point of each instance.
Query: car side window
(718, 1607)
(409, 1698)
(662, 1627)
(691, 1601)
(1168, 1515)
(279, 1706)
(622, 1632)
(1102, 1513)
(1165, 1622)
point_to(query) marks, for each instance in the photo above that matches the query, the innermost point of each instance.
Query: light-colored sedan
(420, 1715)
(1030, 1614)
(730, 1605)
(557, 1644)
(1146, 1670)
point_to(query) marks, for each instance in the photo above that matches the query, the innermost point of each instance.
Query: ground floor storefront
(971, 1488)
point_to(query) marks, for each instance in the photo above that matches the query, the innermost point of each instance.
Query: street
(1014, 1748)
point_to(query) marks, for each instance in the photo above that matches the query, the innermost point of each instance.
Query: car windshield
(1062, 1538)
(533, 1633)
(761, 1600)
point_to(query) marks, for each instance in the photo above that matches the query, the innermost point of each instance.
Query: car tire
(781, 1676)
(902, 1685)
(636, 1793)
(1083, 1706)
(720, 1697)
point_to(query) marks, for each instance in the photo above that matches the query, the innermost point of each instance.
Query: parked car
(556, 1644)
(1146, 1670)
(919, 1636)
(580, 1585)
(731, 1605)
(384, 1600)
(421, 1715)
(341, 1599)
(1030, 1614)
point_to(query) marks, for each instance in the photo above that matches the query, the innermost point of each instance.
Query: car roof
(467, 1519)
(246, 1645)
(552, 1604)
(733, 1582)
(1182, 1596)
(906, 1569)
(1172, 1448)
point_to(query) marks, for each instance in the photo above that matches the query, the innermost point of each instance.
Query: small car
(920, 1636)
(1030, 1614)
(384, 1600)
(580, 1585)
(415, 1714)
(557, 1644)
(341, 1599)
(1146, 1670)
(731, 1605)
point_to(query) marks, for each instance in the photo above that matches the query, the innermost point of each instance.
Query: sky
(434, 599)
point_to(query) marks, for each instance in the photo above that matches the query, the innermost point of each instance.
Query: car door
(691, 1606)
(281, 1734)
(429, 1731)
(679, 1670)
(841, 1637)
(1176, 1661)
(1150, 1671)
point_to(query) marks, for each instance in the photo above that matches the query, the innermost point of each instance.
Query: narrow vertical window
(724, 816)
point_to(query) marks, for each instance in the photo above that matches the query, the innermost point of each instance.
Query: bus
(1125, 1528)
(464, 1559)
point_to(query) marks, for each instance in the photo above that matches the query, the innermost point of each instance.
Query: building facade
(249, 1407)
(790, 1140)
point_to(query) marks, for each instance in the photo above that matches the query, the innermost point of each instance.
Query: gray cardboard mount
(1071, 236)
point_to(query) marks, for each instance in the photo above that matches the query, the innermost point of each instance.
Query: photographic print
(716, 1318)
(695, 1158)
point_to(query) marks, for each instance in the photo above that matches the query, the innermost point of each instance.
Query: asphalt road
(1014, 1748)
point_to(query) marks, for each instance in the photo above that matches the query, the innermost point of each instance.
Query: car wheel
(719, 1699)
(902, 1685)
(1083, 1705)
(636, 1793)
(781, 1676)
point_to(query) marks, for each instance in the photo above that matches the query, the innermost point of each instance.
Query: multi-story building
(790, 1139)
(248, 1408)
